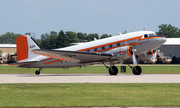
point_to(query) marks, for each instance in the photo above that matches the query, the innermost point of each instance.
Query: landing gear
(136, 70)
(113, 70)
(38, 71)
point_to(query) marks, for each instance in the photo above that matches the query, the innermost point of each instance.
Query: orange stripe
(46, 59)
(139, 37)
(59, 58)
(135, 43)
(52, 62)
(122, 52)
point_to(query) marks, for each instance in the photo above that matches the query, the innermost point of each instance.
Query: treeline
(53, 39)
(8, 38)
(61, 39)
(168, 31)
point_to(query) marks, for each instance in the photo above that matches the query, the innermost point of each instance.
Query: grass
(154, 69)
(46, 95)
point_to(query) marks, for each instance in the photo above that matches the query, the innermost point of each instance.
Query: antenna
(33, 36)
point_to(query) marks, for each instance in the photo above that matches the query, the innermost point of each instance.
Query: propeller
(154, 57)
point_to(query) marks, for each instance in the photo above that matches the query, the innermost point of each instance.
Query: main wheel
(113, 71)
(37, 72)
(137, 70)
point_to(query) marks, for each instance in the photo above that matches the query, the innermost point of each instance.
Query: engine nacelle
(122, 52)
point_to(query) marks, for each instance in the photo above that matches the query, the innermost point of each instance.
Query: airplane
(111, 49)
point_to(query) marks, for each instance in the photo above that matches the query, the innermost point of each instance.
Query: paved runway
(89, 78)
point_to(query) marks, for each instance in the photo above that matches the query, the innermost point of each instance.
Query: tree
(9, 38)
(53, 34)
(45, 44)
(105, 36)
(81, 37)
(29, 33)
(60, 40)
(168, 31)
(71, 37)
(38, 41)
(90, 37)
(52, 39)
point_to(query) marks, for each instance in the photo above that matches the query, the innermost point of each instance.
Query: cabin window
(106, 47)
(88, 50)
(92, 50)
(95, 49)
(99, 48)
(114, 45)
(118, 44)
(110, 46)
(103, 47)
(145, 36)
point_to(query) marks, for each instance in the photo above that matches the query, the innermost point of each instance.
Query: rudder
(25, 44)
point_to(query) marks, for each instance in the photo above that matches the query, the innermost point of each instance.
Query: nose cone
(156, 42)
(162, 40)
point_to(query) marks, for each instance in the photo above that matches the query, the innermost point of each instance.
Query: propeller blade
(154, 56)
(134, 59)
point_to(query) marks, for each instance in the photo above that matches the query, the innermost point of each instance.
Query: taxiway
(89, 78)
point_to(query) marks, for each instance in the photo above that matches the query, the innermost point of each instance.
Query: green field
(44, 95)
(150, 69)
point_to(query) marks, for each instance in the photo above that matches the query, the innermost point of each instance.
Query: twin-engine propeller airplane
(112, 49)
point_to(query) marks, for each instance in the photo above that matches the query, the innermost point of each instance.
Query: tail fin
(25, 44)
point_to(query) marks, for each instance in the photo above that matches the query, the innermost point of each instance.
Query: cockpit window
(151, 35)
(145, 36)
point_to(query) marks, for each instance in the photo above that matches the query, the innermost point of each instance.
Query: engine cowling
(122, 52)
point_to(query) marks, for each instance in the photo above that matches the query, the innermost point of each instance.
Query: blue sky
(86, 16)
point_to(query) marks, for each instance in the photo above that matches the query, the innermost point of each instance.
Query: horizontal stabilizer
(23, 63)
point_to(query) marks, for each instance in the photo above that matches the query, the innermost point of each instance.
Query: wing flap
(73, 56)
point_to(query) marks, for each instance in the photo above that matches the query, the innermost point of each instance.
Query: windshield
(153, 34)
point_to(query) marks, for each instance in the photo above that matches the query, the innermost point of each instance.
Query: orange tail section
(25, 44)
(22, 48)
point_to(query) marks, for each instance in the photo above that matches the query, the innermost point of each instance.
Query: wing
(74, 56)
(23, 63)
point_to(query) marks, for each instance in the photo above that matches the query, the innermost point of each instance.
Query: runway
(89, 78)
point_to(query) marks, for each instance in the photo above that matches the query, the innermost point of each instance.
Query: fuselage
(142, 41)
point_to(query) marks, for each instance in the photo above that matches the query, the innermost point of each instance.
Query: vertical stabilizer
(25, 44)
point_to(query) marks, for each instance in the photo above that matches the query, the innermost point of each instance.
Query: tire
(137, 70)
(37, 72)
(114, 70)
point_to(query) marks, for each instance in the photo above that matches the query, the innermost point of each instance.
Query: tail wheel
(113, 70)
(37, 72)
(137, 70)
